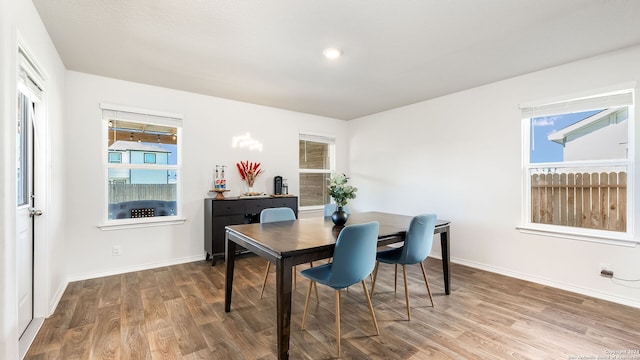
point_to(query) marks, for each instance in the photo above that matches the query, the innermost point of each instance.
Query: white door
(26, 213)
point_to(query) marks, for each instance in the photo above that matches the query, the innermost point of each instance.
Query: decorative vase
(339, 217)
(249, 185)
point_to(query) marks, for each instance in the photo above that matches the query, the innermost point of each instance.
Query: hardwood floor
(177, 312)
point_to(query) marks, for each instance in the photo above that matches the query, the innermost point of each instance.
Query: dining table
(290, 243)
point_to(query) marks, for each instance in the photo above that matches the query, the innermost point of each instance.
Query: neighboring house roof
(588, 125)
(122, 145)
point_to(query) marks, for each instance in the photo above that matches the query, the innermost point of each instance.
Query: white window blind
(577, 105)
(117, 112)
(29, 78)
(318, 138)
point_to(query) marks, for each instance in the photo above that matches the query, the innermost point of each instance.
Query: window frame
(115, 159)
(125, 113)
(626, 238)
(148, 156)
(318, 138)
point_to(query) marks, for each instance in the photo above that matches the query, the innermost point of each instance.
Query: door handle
(34, 212)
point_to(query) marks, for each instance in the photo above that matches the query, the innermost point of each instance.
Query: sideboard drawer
(257, 205)
(290, 202)
(229, 208)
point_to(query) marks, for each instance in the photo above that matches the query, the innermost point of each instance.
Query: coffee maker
(277, 185)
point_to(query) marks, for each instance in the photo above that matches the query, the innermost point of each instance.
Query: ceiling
(395, 53)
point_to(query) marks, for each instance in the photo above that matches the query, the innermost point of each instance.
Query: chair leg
(266, 275)
(338, 321)
(395, 280)
(295, 276)
(375, 276)
(315, 286)
(406, 290)
(306, 304)
(373, 315)
(426, 282)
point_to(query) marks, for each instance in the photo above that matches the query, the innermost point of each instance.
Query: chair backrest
(417, 245)
(330, 208)
(355, 254)
(277, 214)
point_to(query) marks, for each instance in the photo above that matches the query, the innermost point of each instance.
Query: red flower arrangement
(249, 171)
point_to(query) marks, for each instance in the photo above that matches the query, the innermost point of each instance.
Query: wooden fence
(594, 201)
(129, 192)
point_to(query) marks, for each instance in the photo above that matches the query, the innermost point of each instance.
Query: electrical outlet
(606, 270)
(116, 250)
(606, 273)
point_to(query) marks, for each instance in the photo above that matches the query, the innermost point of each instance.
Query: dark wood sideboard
(235, 211)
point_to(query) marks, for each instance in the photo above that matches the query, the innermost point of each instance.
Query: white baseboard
(549, 282)
(126, 269)
(56, 298)
(29, 335)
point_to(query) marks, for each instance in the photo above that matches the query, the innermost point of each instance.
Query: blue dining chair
(354, 258)
(330, 208)
(416, 248)
(275, 215)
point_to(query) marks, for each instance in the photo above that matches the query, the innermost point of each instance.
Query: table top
(288, 237)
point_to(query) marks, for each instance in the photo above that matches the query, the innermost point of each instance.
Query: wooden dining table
(290, 243)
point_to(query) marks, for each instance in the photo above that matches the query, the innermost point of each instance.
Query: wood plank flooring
(177, 312)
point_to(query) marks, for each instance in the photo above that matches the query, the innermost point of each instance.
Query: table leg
(283, 304)
(444, 244)
(230, 259)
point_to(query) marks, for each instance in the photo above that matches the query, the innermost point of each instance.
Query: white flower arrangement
(340, 190)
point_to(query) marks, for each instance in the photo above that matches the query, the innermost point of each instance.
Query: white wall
(208, 127)
(20, 20)
(460, 157)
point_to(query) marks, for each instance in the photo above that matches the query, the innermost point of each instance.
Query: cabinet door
(219, 224)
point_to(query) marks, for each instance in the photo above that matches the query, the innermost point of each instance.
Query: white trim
(622, 87)
(27, 63)
(141, 223)
(311, 209)
(316, 171)
(139, 111)
(317, 137)
(127, 269)
(603, 101)
(111, 112)
(29, 335)
(55, 299)
(597, 236)
(331, 143)
(625, 92)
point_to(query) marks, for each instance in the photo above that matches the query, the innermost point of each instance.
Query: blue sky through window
(542, 149)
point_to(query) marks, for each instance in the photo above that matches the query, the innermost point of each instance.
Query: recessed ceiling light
(332, 53)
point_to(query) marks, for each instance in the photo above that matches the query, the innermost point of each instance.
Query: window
(149, 158)
(316, 163)
(142, 165)
(115, 157)
(25, 109)
(28, 100)
(578, 169)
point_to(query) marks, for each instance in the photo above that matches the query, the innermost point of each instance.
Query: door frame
(42, 176)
